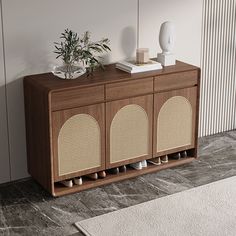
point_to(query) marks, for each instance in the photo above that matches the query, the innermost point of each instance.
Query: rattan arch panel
(129, 133)
(174, 124)
(79, 144)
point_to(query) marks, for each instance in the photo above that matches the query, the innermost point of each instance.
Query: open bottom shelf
(60, 190)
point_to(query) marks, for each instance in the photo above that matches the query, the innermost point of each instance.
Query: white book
(122, 68)
(135, 71)
(132, 67)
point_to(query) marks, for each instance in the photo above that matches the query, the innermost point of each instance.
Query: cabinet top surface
(49, 82)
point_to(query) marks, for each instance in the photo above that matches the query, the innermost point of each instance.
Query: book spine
(138, 70)
(123, 68)
(131, 67)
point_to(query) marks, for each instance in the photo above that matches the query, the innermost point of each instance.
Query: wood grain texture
(129, 89)
(58, 120)
(175, 81)
(49, 82)
(159, 100)
(101, 96)
(38, 135)
(130, 173)
(111, 110)
(76, 97)
(197, 113)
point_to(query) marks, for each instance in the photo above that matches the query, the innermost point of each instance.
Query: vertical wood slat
(218, 87)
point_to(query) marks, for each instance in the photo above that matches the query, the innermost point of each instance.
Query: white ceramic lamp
(166, 40)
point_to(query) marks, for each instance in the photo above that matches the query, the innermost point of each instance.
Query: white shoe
(137, 165)
(144, 164)
(78, 181)
(67, 183)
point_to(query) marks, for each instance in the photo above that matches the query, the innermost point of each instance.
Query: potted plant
(74, 50)
(89, 52)
(67, 50)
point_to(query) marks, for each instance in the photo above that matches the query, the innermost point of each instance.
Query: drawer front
(76, 97)
(176, 81)
(129, 88)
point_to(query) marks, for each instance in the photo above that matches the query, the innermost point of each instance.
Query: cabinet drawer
(76, 97)
(129, 88)
(175, 81)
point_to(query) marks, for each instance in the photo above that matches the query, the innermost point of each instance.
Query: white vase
(167, 40)
(167, 37)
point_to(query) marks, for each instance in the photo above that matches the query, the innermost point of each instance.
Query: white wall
(187, 17)
(31, 27)
(4, 154)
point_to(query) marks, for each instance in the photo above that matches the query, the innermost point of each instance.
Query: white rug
(206, 210)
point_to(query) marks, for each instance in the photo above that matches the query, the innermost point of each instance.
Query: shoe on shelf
(122, 168)
(155, 161)
(67, 183)
(176, 156)
(102, 174)
(93, 176)
(164, 159)
(144, 164)
(137, 165)
(78, 181)
(114, 171)
(184, 154)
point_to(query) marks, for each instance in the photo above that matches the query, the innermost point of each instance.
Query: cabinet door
(78, 141)
(174, 120)
(128, 130)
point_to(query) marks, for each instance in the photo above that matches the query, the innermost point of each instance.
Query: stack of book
(133, 67)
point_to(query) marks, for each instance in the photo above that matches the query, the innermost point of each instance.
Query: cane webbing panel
(174, 124)
(129, 134)
(79, 144)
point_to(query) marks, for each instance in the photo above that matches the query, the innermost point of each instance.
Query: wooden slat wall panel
(218, 88)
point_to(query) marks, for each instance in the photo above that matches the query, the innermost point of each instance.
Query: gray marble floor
(26, 209)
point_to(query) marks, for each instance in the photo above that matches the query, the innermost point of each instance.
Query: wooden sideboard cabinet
(83, 126)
